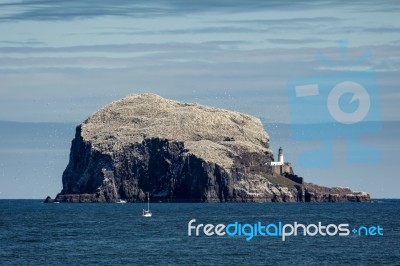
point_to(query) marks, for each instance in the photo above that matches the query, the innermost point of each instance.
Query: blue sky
(60, 61)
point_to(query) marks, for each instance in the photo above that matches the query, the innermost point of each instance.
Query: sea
(36, 233)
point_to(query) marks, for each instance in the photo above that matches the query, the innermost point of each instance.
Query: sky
(60, 60)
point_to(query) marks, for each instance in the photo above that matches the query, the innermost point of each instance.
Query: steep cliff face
(176, 152)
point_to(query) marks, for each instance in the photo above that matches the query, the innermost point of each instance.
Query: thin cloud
(296, 41)
(280, 21)
(22, 43)
(111, 48)
(42, 10)
(388, 29)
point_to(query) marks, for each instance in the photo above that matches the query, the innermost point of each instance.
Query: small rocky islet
(180, 152)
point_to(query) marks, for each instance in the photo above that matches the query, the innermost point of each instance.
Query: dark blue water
(34, 233)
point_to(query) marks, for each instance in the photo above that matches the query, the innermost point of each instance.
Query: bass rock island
(181, 152)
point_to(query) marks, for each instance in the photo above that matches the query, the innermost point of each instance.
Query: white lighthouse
(280, 155)
(280, 158)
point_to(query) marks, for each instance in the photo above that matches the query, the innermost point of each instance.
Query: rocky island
(180, 152)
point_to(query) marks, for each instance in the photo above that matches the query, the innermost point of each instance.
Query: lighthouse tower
(280, 155)
(280, 158)
(279, 167)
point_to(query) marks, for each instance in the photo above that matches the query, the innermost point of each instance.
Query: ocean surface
(34, 233)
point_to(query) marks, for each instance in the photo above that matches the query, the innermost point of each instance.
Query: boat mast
(148, 201)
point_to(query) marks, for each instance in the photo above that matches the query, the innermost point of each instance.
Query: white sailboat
(147, 213)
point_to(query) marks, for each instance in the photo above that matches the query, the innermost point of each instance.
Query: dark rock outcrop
(49, 200)
(178, 152)
(315, 193)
